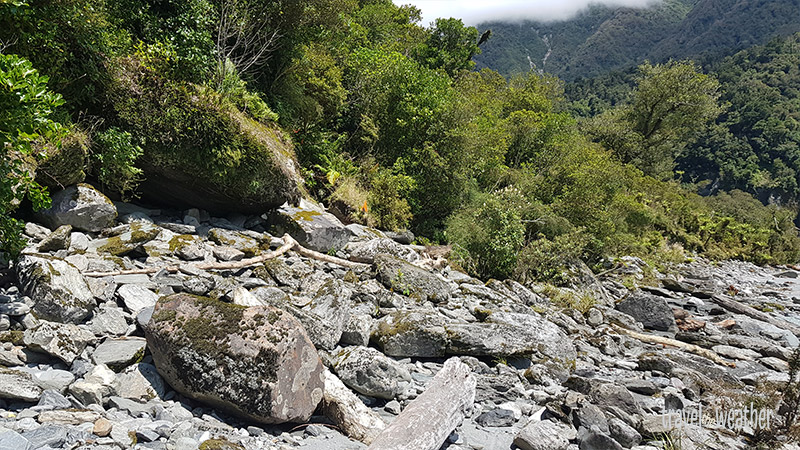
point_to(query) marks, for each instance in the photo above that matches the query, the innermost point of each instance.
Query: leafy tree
(671, 103)
(450, 46)
(26, 107)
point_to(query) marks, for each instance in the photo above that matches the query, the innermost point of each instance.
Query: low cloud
(477, 11)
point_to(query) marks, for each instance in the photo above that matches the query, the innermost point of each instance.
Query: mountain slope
(603, 38)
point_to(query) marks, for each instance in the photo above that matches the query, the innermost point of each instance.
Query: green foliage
(547, 260)
(488, 233)
(114, 161)
(234, 89)
(26, 108)
(69, 41)
(450, 46)
(755, 146)
(671, 103)
(387, 205)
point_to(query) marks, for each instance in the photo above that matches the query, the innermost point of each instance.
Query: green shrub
(386, 202)
(487, 235)
(114, 159)
(547, 260)
(26, 107)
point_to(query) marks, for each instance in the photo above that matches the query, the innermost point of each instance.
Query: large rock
(18, 385)
(118, 354)
(64, 341)
(207, 154)
(257, 363)
(544, 435)
(370, 373)
(133, 238)
(81, 206)
(326, 316)
(59, 290)
(651, 310)
(412, 334)
(365, 252)
(509, 334)
(310, 225)
(136, 297)
(410, 280)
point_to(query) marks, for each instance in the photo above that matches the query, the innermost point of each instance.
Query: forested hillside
(610, 38)
(207, 103)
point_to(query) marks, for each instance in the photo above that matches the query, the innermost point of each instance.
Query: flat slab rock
(256, 363)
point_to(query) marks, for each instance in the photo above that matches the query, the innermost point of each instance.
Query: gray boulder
(410, 280)
(651, 310)
(236, 240)
(544, 435)
(118, 354)
(136, 297)
(417, 334)
(81, 206)
(507, 334)
(330, 312)
(369, 372)
(256, 363)
(365, 252)
(64, 341)
(18, 385)
(58, 288)
(310, 225)
(11, 440)
(60, 239)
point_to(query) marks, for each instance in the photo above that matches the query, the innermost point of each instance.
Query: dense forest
(604, 38)
(393, 127)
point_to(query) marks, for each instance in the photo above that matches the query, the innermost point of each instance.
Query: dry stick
(674, 343)
(288, 244)
(741, 308)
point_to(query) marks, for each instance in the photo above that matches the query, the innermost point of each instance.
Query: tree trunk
(428, 420)
(348, 412)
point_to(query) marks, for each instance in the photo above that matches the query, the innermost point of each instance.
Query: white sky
(476, 11)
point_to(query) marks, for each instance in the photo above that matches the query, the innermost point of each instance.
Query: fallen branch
(288, 244)
(348, 412)
(428, 420)
(691, 348)
(749, 311)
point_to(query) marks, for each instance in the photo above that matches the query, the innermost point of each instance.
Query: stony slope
(547, 375)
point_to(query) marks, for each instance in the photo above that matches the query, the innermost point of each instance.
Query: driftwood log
(288, 244)
(691, 348)
(749, 311)
(428, 420)
(348, 412)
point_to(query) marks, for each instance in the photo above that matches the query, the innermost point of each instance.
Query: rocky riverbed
(127, 327)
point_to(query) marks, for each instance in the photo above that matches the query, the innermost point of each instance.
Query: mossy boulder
(82, 206)
(256, 363)
(58, 289)
(64, 164)
(133, 238)
(200, 150)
